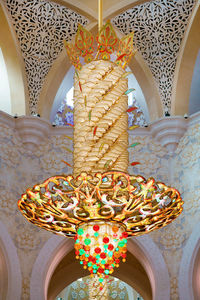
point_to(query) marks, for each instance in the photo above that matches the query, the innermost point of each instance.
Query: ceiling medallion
(101, 206)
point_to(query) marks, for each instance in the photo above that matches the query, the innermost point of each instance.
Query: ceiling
(41, 26)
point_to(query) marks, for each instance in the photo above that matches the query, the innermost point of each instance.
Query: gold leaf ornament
(84, 43)
(106, 39)
(125, 50)
(73, 55)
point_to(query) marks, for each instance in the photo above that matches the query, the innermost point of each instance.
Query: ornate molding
(168, 131)
(34, 130)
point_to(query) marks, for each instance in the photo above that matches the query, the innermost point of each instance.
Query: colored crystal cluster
(99, 246)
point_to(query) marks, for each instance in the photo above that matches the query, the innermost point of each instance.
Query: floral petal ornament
(106, 39)
(107, 44)
(73, 55)
(133, 145)
(84, 43)
(131, 109)
(129, 91)
(125, 51)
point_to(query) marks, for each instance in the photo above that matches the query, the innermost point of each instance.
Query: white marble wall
(31, 150)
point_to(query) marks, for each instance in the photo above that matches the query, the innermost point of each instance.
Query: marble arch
(185, 64)
(14, 65)
(189, 280)
(10, 272)
(143, 248)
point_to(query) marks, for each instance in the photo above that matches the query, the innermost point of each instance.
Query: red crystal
(103, 255)
(96, 227)
(106, 240)
(110, 247)
(97, 250)
(100, 270)
(125, 234)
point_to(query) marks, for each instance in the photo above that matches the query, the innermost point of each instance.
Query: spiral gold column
(100, 118)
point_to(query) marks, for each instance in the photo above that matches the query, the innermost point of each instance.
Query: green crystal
(110, 253)
(80, 231)
(81, 251)
(121, 244)
(87, 241)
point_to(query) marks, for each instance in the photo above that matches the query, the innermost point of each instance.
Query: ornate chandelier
(100, 205)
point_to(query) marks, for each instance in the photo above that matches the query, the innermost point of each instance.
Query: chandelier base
(100, 245)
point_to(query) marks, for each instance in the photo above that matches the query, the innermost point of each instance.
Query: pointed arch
(10, 273)
(185, 64)
(143, 248)
(14, 65)
(189, 280)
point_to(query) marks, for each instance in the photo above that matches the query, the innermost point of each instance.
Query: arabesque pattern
(41, 27)
(62, 203)
(159, 28)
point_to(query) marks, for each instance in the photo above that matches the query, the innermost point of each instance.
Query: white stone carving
(41, 27)
(168, 131)
(159, 29)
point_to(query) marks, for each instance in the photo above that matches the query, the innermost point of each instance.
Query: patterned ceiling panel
(41, 27)
(159, 29)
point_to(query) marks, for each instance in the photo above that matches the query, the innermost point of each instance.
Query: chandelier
(100, 205)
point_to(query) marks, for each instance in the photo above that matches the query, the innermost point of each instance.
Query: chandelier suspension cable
(100, 14)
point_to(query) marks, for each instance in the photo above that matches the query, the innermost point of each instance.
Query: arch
(143, 248)
(137, 65)
(138, 280)
(10, 267)
(189, 281)
(185, 64)
(110, 8)
(14, 65)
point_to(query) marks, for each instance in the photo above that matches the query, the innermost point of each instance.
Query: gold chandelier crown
(107, 44)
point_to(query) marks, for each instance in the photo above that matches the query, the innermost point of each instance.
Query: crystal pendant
(100, 246)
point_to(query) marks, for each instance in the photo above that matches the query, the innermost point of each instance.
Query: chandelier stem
(100, 118)
(100, 14)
